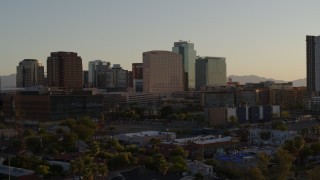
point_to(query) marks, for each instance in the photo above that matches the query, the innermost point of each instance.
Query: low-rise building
(112, 99)
(35, 106)
(16, 173)
(8, 133)
(216, 116)
(270, 137)
(200, 167)
(206, 146)
(144, 137)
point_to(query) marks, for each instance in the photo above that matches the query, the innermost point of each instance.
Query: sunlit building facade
(162, 72)
(186, 49)
(211, 71)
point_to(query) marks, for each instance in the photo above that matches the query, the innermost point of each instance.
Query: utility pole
(9, 168)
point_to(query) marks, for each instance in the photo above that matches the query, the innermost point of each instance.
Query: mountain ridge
(256, 79)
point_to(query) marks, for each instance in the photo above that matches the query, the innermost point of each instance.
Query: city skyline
(251, 35)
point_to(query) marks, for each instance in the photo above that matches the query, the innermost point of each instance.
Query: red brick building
(64, 70)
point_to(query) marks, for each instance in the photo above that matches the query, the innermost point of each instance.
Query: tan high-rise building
(64, 70)
(162, 72)
(30, 72)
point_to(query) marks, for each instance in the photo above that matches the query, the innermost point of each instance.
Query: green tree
(294, 147)
(95, 149)
(263, 164)
(314, 173)
(233, 120)
(155, 143)
(178, 164)
(102, 169)
(254, 173)
(77, 166)
(163, 166)
(42, 170)
(102, 116)
(83, 166)
(179, 151)
(26, 162)
(120, 160)
(69, 122)
(68, 141)
(283, 159)
(84, 132)
(279, 125)
(116, 145)
(285, 114)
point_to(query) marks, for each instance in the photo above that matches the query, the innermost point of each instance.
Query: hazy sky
(265, 38)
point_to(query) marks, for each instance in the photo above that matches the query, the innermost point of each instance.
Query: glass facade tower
(211, 71)
(186, 49)
(94, 68)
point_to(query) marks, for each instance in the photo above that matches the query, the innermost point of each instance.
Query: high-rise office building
(120, 76)
(30, 72)
(85, 79)
(115, 78)
(137, 77)
(313, 64)
(64, 70)
(162, 72)
(95, 68)
(211, 71)
(186, 49)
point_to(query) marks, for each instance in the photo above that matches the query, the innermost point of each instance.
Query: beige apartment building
(162, 72)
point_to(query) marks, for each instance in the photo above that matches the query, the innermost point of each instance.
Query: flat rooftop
(147, 133)
(16, 172)
(204, 139)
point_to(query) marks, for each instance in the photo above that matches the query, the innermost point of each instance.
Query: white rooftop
(146, 133)
(204, 139)
(16, 172)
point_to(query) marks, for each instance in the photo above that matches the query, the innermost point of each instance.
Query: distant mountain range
(10, 80)
(257, 79)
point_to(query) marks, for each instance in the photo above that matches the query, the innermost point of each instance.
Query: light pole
(9, 175)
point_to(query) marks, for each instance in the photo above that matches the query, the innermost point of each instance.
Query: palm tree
(155, 142)
(163, 166)
(102, 169)
(294, 147)
(95, 150)
(77, 165)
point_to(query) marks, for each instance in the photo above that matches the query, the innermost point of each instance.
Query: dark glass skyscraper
(312, 60)
(30, 72)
